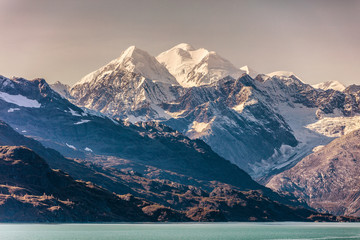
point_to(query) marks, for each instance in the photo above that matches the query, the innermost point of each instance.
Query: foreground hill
(32, 192)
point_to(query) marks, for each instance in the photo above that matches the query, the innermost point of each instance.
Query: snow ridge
(335, 85)
(195, 67)
(249, 71)
(133, 60)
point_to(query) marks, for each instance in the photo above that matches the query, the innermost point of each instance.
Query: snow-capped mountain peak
(184, 46)
(180, 59)
(137, 61)
(196, 67)
(284, 76)
(249, 71)
(281, 74)
(129, 52)
(131, 87)
(335, 85)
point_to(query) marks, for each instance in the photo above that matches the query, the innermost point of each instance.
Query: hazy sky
(64, 40)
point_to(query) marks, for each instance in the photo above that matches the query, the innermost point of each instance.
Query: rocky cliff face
(328, 179)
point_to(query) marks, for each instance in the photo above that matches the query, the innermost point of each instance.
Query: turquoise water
(218, 231)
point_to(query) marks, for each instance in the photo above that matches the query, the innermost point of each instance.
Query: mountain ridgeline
(262, 123)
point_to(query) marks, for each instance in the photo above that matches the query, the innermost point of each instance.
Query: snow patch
(133, 119)
(113, 120)
(74, 113)
(88, 149)
(175, 114)
(20, 100)
(81, 122)
(199, 126)
(160, 112)
(318, 148)
(70, 146)
(335, 126)
(13, 109)
(240, 107)
(92, 113)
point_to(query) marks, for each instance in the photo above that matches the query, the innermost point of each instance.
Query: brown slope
(328, 180)
(32, 192)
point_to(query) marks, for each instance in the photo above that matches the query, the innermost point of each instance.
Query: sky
(318, 40)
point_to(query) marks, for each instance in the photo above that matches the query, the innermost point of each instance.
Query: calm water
(218, 231)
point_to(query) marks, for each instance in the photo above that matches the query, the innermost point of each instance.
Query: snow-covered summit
(130, 87)
(281, 74)
(196, 67)
(184, 46)
(335, 85)
(249, 71)
(137, 61)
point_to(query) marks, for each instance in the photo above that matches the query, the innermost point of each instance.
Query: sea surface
(218, 231)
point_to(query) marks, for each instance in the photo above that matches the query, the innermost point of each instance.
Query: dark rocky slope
(32, 192)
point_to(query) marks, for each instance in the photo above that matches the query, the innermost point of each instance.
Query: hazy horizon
(63, 41)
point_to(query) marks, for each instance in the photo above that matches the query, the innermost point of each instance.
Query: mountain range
(148, 167)
(262, 122)
(181, 136)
